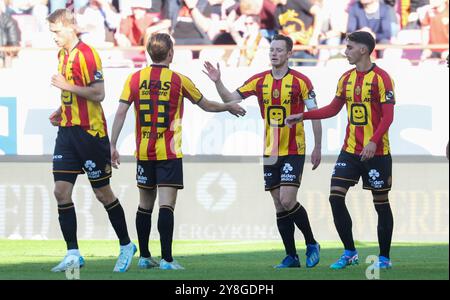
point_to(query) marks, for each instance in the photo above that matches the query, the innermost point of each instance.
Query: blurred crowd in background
(247, 24)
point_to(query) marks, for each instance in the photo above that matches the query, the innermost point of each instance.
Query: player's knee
(62, 196)
(104, 195)
(287, 202)
(278, 207)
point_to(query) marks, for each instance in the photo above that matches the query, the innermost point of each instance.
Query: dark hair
(288, 40)
(159, 46)
(363, 37)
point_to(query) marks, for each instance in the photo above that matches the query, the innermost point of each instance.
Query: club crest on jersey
(276, 93)
(358, 90)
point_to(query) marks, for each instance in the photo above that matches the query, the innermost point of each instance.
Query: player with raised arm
(282, 91)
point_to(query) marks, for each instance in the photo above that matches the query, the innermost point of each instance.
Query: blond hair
(65, 16)
(159, 46)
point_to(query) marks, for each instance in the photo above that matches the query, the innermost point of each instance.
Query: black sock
(143, 227)
(342, 220)
(385, 228)
(117, 218)
(68, 222)
(300, 217)
(286, 228)
(165, 228)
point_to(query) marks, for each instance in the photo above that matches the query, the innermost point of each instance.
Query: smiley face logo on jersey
(358, 114)
(276, 116)
(66, 98)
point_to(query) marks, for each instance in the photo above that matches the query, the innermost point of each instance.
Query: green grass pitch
(221, 260)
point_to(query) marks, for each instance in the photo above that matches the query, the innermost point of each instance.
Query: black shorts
(286, 170)
(161, 173)
(78, 152)
(376, 172)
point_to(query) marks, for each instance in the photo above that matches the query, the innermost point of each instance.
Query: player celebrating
(82, 144)
(157, 95)
(280, 92)
(368, 92)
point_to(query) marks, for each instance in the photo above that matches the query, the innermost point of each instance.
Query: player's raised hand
(211, 71)
(115, 157)
(316, 157)
(55, 117)
(235, 109)
(368, 151)
(60, 82)
(294, 119)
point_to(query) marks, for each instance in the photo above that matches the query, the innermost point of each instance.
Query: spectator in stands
(187, 19)
(334, 25)
(37, 8)
(409, 12)
(435, 22)
(372, 16)
(395, 19)
(9, 34)
(135, 29)
(253, 47)
(265, 9)
(216, 26)
(97, 22)
(301, 20)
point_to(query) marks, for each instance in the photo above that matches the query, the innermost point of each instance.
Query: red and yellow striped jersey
(157, 93)
(364, 93)
(278, 99)
(82, 67)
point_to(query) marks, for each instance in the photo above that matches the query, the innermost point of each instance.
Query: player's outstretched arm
(215, 75)
(325, 112)
(232, 107)
(94, 92)
(294, 119)
(119, 119)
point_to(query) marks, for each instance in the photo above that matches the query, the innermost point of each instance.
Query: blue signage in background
(8, 126)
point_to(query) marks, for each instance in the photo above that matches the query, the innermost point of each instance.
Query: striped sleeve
(190, 91)
(340, 91)
(93, 71)
(307, 89)
(126, 96)
(249, 88)
(386, 89)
